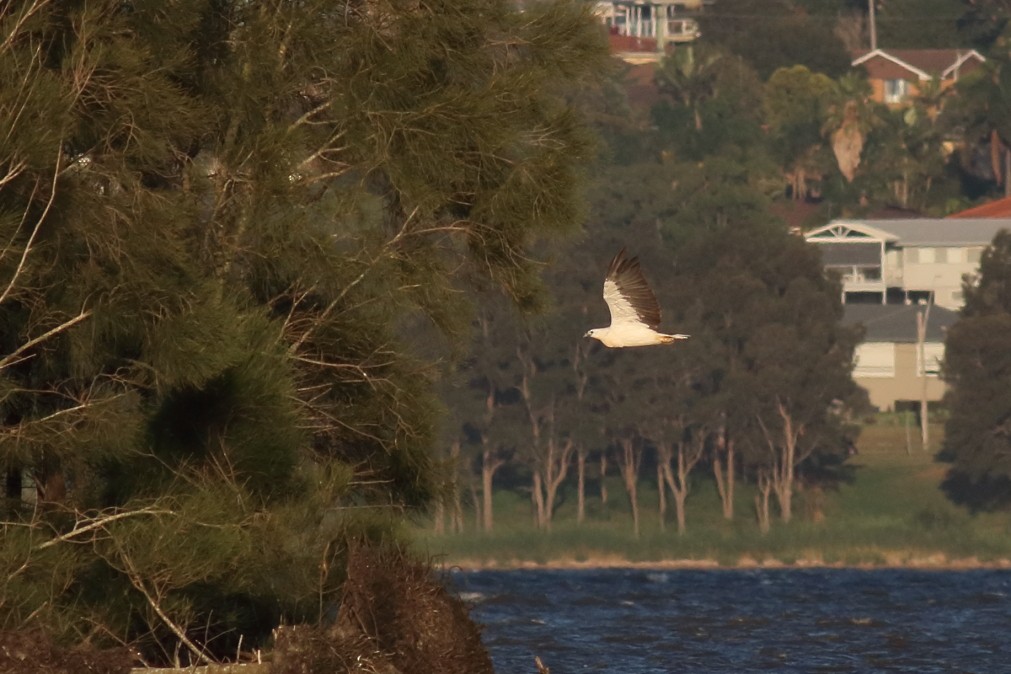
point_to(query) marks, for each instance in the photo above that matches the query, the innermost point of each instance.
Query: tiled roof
(924, 62)
(897, 322)
(1001, 208)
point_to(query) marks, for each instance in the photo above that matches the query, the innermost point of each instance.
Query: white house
(905, 261)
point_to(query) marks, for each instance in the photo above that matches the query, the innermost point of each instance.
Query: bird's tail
(667, 339)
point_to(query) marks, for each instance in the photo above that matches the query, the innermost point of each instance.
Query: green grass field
(893, 513)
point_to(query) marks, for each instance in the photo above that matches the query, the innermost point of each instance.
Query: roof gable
(906, 232)
(849, 231)
(923, 64)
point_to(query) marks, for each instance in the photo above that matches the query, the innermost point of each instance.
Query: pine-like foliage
(218, 219)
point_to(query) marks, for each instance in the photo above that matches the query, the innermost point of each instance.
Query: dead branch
(138, 582)
(35, 229)
(101, 522)
(12, 357)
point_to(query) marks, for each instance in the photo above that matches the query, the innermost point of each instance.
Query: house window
(955, 255)
(934, 354)
(973, 255)
(896, 90)
(922, 255)
(874, 360)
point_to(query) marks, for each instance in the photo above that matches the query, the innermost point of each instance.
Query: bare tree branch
(12, 357)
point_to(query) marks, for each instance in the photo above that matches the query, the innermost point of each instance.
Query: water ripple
(778, 620)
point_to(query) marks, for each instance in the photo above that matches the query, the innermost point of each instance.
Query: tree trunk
(762, 501)
(489, 464)
(559, 460)
(603, 478)
(550, 467)
(785, 457)
(723, 472)
(686, 458)
(661, 492)
(580, 485)
(440, 515)
(679, 511)
(791, 435)
(629, 467)
(456, 515)
(537, 497)
(582, 378)
(475, 498)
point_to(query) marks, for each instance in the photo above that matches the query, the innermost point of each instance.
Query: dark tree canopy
(773, 34)
(977, 369)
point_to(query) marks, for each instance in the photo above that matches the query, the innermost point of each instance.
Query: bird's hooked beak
(587, 334)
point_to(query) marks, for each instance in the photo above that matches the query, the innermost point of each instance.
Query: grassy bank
(892, 513)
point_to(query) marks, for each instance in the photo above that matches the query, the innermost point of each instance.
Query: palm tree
(689, 79)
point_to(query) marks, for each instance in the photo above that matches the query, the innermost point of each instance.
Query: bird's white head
(592, 333)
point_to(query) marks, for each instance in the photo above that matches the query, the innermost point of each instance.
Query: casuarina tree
(219, 220)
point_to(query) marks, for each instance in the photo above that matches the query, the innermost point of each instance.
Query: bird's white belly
(636, 335)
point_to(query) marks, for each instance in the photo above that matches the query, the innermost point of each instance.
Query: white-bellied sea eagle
(635, 313)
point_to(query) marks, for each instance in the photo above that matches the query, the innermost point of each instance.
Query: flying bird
(635, 313)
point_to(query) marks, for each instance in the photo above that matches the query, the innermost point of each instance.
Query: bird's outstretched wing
(627, 294)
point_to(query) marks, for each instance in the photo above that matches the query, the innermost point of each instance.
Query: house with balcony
(905, 261)
(897, 75)
(643, 31)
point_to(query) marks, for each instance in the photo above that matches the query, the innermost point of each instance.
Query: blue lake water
(772, 620)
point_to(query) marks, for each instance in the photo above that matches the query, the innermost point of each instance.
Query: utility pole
(873, 25)
(922, 316)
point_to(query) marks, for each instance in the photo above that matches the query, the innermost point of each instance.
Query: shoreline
(933, 562)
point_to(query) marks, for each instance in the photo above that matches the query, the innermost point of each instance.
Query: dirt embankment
(394, 617)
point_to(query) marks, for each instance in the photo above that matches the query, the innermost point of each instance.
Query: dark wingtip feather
(616, 262)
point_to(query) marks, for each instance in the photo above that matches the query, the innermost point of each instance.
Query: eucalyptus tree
(217, 220)
(677, 429)
(542, 383)
(799, 363)
(756, 299)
